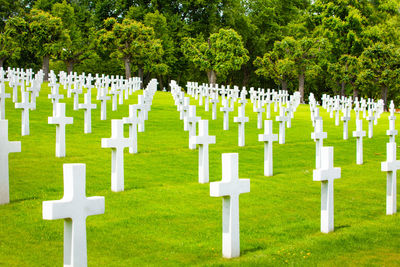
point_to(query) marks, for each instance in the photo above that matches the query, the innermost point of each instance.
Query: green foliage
(224, 52)
(380, 70)
(47, 33)
(134, 43)
(12, 38)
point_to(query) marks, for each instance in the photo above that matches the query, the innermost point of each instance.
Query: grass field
(165, 217)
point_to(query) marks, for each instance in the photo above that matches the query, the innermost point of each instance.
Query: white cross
(391, 165)
(185, 112)
(282, 119)
(60, 120)
(226, 109)
(230, 188)
(3, 96)
(192, 120)
(7, 147)
(392, 132)
(359, 134)
(133, 120)
(241, 119)
(259, 110)
(268, 138)
(114, 92)
(87, 106)
(318, 135)
(214, 102)
(103, 97)
(370, 118)
(141, 107)
(74, 208)
(117, 143)
(203, 140)
(326, 175)
(76, 91)
(26, 106)
(55, 96)
(345, 119)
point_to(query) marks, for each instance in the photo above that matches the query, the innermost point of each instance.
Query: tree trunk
(212, 77)
(140, 74)
(45, 67)
(284, 84)
(160, 82)
(301, 85)
(384, 92)
(355, 91)
(246, 76)
(127, 68)
(342, 88)
(70, 66)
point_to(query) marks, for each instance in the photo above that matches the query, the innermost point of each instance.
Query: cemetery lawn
(165, 217)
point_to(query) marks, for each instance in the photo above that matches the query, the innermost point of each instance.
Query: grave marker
(230, 188)
(203, 140)
(326, 175)
(74, 208)
(7, 147)
(60, 120)
(117, 143)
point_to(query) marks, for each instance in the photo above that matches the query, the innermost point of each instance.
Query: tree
(301, 54)
(222, 53)
(47, 36)
(80, 34)
(162, 32)
(11, 39)
(381, 70)
(276, 66)
(132, 42)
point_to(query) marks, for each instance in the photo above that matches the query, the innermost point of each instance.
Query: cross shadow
(342, 226)
(22, 199)
(250, 250)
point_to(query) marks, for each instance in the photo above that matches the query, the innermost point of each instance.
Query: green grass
(165, 217)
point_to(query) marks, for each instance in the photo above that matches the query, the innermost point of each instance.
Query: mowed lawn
(165, 217)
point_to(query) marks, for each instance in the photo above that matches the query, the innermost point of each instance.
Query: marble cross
(326, 175)
(184, 112)
(3, 96)
(359, 134)
(318, 135)
(133, 120)
(192, 120)
(391, 165)
(55, 96)
(203, 140)
(392, 132)
(60, 120)
(259, 110)
(282, 119)
(141, 107)
(74, 208)
(88, 106)
(117, 143)
(7, 147)
(370, 118)
(226, 109)
(268, 138)
(345, 119)
(214, 102)
(103, 97)
(25, 105)
(230, 188)
(241, 119)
